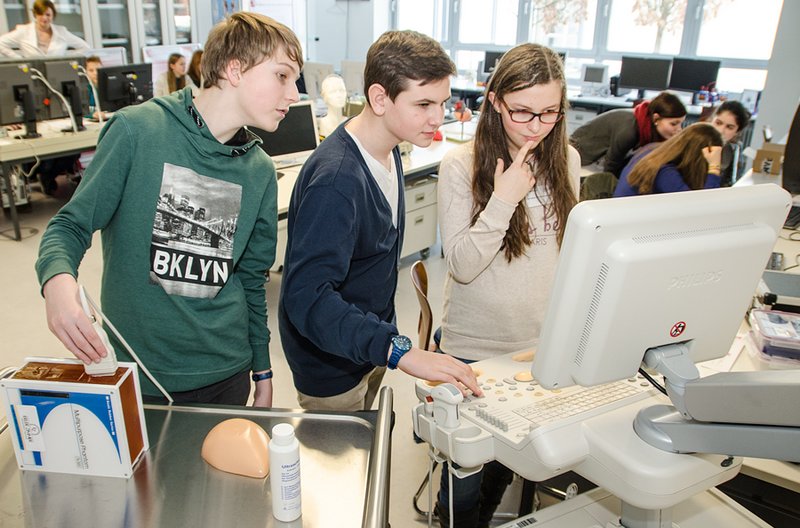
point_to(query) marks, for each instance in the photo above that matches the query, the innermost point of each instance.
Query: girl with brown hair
(688, 161)
(174, 78)
(612, 135)
(504, 199)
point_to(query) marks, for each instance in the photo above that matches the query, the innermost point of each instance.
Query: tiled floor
(24, 332)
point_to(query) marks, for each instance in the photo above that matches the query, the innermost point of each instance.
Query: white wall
(344, 29)
(782, 90)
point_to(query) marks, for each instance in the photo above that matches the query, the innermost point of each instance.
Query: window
(739, 33)
(744, 29)
(654, 26)
(563, 24)
(425, 16)
(482, 22)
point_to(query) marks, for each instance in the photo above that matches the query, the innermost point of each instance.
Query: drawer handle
(419, 220)
(419, 197)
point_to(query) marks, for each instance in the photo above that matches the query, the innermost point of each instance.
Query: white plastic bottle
(284, 473)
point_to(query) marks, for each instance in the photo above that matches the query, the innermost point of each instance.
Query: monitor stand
(639, 96)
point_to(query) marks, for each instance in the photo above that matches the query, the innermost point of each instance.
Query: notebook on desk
(295, 139)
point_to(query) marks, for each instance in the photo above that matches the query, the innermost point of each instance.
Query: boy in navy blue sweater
(345, 231)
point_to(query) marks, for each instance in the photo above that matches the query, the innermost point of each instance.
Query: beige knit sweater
(492, 306)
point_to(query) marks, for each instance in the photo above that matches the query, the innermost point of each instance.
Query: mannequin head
(333, 91)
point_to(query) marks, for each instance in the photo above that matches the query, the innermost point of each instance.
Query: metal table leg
(11, 203)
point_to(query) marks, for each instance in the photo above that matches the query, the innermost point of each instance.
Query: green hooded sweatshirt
(188, 232)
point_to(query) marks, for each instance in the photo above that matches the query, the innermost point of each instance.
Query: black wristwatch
(400, 345)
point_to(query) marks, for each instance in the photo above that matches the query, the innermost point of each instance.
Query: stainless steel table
(344, 462)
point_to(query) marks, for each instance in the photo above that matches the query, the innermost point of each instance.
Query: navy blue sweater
(336, 314)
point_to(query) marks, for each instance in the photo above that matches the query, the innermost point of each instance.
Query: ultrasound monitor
(690, 75)
(20, 96)
(353, 75)
(121, 86)
(313, 74)
(646, 271)
(296, 136)
(791, 156)
(644, 74)
(63, 76)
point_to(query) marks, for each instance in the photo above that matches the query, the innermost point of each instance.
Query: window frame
(599, 51)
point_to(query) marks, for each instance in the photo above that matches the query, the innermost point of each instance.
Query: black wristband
(262, 376)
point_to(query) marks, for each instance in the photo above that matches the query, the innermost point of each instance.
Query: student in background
(503, 201)
(730, 118)
(611, 136)
(337, 315)
(187, 207)
(41, 37)
(93, 63)
(194, 68)
(174, 78)
(688, 161)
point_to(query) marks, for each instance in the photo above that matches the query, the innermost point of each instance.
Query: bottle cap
(283, 434)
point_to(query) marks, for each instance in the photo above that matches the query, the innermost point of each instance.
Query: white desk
(52, 143)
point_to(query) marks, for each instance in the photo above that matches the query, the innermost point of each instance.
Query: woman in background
(194, 68)
(504, 198)
(174, 78)
(41, 37)
(730, 118)
(612, 135)
(688, 161)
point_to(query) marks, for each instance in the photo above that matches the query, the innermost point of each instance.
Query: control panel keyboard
(515, 408)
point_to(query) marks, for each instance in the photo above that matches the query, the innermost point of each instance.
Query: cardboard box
(769, 158)
(63, 420)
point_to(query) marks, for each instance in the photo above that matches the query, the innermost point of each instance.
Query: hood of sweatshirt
(181, 105)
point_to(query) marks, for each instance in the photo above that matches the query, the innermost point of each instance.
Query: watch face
(402, 342)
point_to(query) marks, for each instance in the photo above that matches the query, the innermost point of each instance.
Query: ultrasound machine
(659, 282)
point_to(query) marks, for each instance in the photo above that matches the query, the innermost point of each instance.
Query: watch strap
(263, 376)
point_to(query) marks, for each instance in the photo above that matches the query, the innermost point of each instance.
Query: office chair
(419, 278)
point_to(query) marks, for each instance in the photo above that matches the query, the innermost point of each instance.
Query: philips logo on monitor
(695, 279)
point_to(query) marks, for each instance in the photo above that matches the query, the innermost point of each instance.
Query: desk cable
(36, 74)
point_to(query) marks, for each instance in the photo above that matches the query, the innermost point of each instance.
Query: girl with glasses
(504, 198)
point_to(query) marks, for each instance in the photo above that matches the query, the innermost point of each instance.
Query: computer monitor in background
(646, 271)
(353, 75)
(644, 74)
(62, 74)
(594, 79)
(314, 73)
(20, 96)
(690, 75)
(301, 84)
(491, 60)
(296, 137)
(791, 156)
(121, 86)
